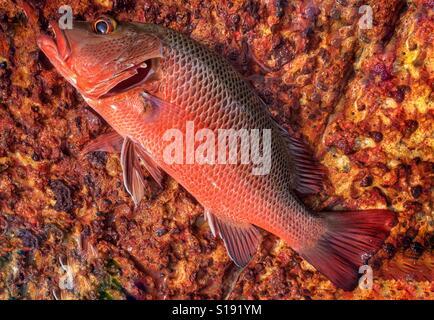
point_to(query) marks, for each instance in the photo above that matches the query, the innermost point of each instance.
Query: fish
(147, 80)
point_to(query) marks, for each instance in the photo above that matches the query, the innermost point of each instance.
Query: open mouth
(57, 47)
(139, 76)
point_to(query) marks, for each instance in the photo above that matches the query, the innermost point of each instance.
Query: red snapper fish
(147, 81)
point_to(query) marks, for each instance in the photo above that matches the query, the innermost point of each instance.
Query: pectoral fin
(155, 102)
(241, 240)
(108, 142)
(154, 106)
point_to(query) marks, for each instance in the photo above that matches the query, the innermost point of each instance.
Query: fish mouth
(57, 42)
(138, 75)
(57, 47)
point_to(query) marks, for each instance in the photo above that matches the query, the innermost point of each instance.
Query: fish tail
(349, 240)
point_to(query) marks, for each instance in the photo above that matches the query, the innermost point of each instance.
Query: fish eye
(104, 25)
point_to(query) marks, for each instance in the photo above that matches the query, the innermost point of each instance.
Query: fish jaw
(58, 51)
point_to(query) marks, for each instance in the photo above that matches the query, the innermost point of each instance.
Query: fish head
(103, 58)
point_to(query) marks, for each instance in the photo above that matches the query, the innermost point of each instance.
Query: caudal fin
(351, 238)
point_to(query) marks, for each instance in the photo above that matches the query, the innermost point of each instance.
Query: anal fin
(241, 240)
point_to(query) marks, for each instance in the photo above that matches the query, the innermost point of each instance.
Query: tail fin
(351, 238)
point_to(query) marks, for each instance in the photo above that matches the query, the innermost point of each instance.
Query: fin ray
(349, 241)
(241, 240)
(309, 174)
(131, 154)
(108, 142)
(150, 165)
(129, 162)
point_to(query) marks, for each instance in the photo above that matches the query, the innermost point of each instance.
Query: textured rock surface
(362, 98)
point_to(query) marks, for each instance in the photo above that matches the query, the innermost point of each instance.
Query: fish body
(146, 80)
(266, 200)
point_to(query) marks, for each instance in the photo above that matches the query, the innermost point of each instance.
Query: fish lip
(62, 42)
(59, 41)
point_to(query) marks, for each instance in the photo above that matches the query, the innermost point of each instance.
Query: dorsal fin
(308, 173)
(241, 240)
